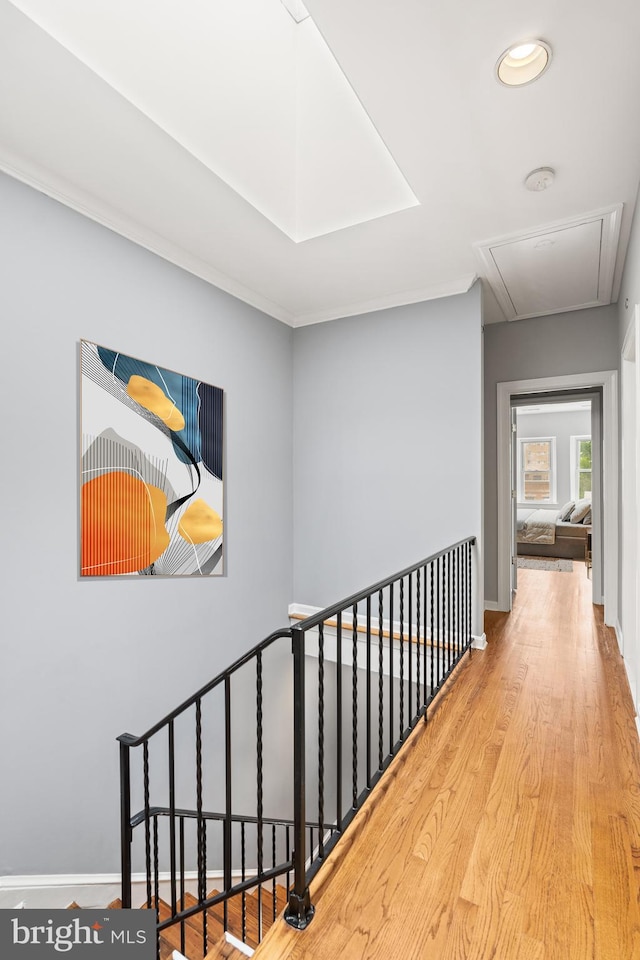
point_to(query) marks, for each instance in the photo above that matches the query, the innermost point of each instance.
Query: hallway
(510, 826)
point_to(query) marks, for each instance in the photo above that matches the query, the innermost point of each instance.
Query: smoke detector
(540, 179)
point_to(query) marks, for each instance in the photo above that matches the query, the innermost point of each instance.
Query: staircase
(258, 774)
(248, 919)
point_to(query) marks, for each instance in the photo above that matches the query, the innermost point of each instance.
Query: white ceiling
(223, 146)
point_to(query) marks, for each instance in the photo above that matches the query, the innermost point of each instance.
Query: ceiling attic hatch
(258, 98)
(297, 9)
(561, 266)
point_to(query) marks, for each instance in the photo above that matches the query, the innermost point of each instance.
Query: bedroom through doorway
(557, 485)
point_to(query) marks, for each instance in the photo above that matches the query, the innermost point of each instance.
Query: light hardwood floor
(509, 829)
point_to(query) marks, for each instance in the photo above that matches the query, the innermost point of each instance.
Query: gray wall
(581, 341)
(562, 425)
(387, 442)
(84, 661)
(388, 431)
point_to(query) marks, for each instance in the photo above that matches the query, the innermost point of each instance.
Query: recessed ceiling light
(523, 62)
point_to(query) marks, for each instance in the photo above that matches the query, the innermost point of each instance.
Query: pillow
(579, 512)
(587, 519)
(565, 513)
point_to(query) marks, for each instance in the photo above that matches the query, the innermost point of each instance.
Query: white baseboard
(491, 605)
(479, 643)
(57, 891)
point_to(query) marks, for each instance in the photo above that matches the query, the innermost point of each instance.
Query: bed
(544, 533)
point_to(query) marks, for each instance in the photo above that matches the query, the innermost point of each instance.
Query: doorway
(557, 482)
(607, 382)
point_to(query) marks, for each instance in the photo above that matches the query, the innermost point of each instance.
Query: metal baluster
(410, 648)
(227, 829)
(156, 878)
(380, 680)
(125, 820)
(448, 611)
(368, 709)
(470, 598)
(156, 868)
(147, 821)
(463, 592)
(391, 658)
(461, 645)
(445, 612)
(300, 910)
(201, 837)
(182, 888)
(418, 638)
(425, 649)
(401, 685)
(172, 817)
(432, 634)
(259, 761)
(441, 582)
(354, 709)
(321, 735)
(287, 852)
(454, 604)
(460, 601)
(273, 863)
(339, 720)
(243, 867)
(204, 887)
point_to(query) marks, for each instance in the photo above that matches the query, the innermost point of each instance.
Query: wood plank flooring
(509, 828)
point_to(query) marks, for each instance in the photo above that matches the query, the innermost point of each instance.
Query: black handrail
(412, 656)
(247, 657)
(342, 605)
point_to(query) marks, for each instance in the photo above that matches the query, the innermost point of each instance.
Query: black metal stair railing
(386, 651)
(193, 835)
(352, 682)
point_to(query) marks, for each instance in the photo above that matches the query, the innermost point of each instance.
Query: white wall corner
(479, 643)
(491, 605)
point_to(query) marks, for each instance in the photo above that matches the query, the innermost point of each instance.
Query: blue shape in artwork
(183, 391)
(210, 416)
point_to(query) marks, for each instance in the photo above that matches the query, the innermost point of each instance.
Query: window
(537, 470)
(581, 474)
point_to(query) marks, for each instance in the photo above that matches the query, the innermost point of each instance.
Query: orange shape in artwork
(123, 524)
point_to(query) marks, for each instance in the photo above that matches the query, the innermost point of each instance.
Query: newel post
(125, 818)
(299, 911)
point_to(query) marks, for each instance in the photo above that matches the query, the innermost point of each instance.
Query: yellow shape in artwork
(153, 398)
(200, 523)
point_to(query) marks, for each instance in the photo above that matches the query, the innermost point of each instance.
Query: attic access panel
(567, 265)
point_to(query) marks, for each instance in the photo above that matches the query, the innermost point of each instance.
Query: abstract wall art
(151, 492)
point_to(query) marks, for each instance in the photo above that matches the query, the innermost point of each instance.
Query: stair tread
(217, 946)
(252, 933)
(193, 934)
